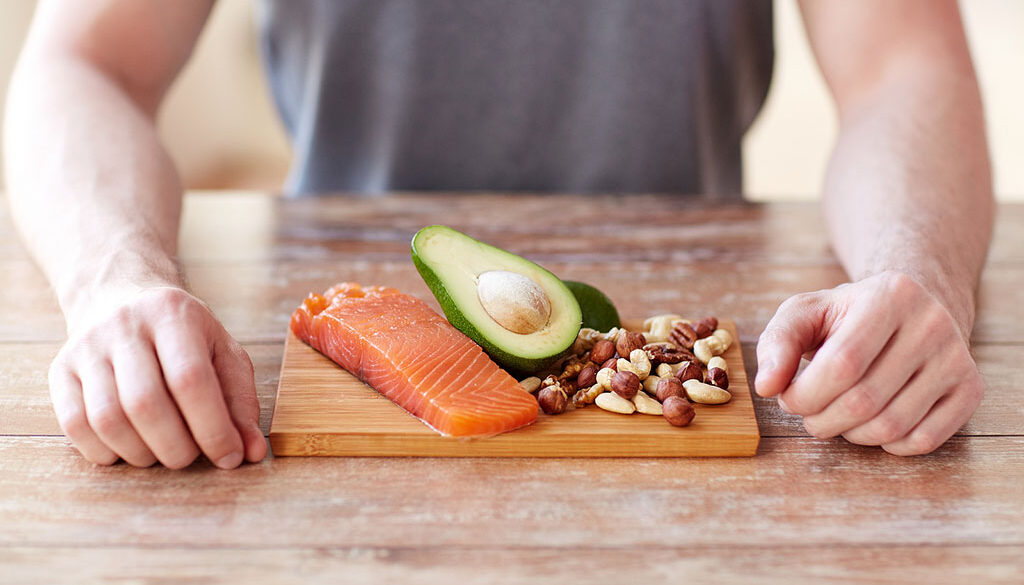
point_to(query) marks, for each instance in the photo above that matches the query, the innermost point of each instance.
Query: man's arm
(148, 374)
(908, 200)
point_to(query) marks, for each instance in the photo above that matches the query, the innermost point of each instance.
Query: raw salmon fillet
(407, 352)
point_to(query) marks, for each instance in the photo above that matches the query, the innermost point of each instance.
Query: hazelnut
(628, 341)
(669, 387)
(612, 363)
(625, 384)
(552, 400)
(603, 351)
(587, 376)
(677, 411)
(717, 377)
(689, 371)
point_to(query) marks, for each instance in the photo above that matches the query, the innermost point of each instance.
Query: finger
(66, 395)
(106, 417)
(887, 376)
(795, 329)
(188, 370)
(150, 408)
(945, 418)
(904, 411)
(235, 371)
(843, 359)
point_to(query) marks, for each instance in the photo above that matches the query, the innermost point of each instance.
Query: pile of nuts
(656, 372)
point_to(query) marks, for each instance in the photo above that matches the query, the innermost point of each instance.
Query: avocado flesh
(451, 263)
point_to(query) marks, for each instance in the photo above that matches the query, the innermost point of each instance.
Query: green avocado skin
(514, 364)
(598, 310)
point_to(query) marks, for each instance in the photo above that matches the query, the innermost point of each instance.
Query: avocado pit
(514, 301)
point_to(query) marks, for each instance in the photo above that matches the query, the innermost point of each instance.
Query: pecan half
(683, 335)
(663, 353)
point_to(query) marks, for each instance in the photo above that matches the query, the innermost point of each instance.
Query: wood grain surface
(802, 511)
(321, 409)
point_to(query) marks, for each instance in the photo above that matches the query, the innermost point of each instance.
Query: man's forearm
(909, 185)
(92, 190)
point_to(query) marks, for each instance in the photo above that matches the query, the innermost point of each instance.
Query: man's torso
(518, 95)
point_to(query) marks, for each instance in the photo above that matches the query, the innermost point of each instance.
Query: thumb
(235, 371)
(796, 328)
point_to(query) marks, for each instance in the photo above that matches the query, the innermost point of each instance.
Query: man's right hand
(157, 378)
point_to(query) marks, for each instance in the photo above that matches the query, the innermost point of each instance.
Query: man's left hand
(890, 366)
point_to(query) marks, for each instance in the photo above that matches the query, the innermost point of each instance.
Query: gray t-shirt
(518, 95)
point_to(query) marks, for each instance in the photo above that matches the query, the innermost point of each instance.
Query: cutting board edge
(287, 444)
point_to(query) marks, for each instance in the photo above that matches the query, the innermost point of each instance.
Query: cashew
(651, 384)
(624, 365)
(707, 348)
(706, 393)
(718, 362)
(659, 328)
(667, 370)
(640, 361)
(646, 405)
(531, 384)
(604, 378)
(724, 336)
(649, 322)
(612, 402)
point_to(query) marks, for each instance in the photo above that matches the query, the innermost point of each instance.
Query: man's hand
(890, 365)
(157, 378)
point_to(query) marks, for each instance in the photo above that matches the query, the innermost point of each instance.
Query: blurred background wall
(220, 126)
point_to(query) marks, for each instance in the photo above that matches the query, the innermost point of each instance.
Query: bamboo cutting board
(323, 410)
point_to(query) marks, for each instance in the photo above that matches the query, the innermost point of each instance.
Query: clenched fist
(889, 365)
(155, 377)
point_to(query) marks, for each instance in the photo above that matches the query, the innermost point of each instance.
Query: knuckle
(974, 389)
(143, 404)
(58, 367)
(122, 318)
(180, 458)
(217, 443)
(189, 377)
(860, 403)
(772, 335)
(900, 285)
(142, 460)
(72, 420)
(797, 403)
(169, 297)
(106, 420)
(922, 442)
(173, 305)
(105, 459)
(887, 429)
(936, 322)
(817, 428)
(243, 356)
(796, 302)
(847, 364)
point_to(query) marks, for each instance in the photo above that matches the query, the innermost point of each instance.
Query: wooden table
(802, 510)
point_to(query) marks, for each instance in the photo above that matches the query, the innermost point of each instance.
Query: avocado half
(598, 310)
(523, 316)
